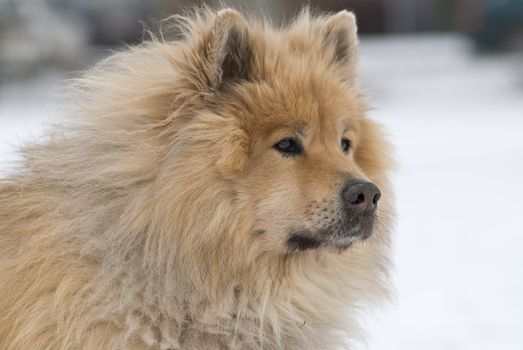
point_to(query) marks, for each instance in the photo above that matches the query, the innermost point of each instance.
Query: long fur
(122, 228)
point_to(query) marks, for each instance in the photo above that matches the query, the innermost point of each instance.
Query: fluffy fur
(156, 217)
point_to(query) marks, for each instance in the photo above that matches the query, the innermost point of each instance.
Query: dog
(224, 190)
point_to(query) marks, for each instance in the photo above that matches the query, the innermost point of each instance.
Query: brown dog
(224, 191)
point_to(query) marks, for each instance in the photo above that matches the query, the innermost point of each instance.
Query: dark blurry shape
(111, 22)
(61, 33)
(493, 24)
(370, 13)
(34, 35)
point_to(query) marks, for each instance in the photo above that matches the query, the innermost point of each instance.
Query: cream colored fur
(132, 225)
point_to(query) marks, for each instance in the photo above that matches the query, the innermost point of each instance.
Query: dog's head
(277, 135)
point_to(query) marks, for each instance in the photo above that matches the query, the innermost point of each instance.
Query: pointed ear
(341, 36)
(229, 49)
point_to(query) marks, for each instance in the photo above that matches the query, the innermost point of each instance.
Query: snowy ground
(457, 122)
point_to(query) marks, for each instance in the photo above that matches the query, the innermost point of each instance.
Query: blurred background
(444, 76)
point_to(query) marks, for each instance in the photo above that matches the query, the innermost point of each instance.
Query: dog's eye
(288, 146)
(345, 145)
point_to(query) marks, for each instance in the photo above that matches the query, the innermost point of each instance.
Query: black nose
(361, 195)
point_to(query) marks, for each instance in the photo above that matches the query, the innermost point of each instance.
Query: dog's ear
(228, 49)
(341, 38)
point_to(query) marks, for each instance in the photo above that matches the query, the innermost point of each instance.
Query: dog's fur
(157, 217)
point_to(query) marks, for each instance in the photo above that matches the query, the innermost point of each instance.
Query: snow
(26, 109)
(457, 122)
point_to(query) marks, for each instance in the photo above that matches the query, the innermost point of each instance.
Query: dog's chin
(343, 243)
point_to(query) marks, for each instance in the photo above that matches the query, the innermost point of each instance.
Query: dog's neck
(301, 301)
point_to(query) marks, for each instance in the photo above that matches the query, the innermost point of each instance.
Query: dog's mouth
(334, 237)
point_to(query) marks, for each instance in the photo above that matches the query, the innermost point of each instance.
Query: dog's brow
(302, 129)
(346, 126)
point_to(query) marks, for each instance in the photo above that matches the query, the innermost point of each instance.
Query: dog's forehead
(305, 108)
(300, 94)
